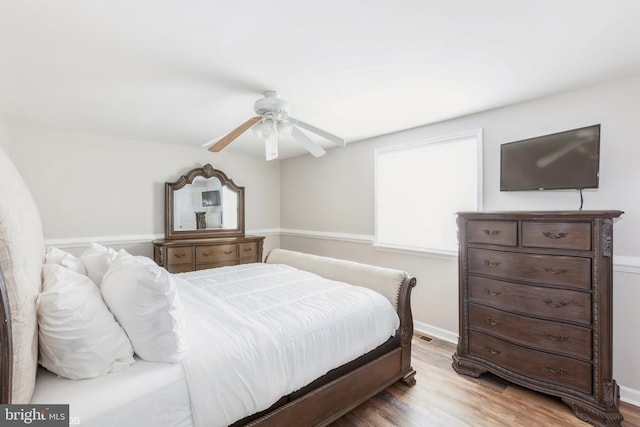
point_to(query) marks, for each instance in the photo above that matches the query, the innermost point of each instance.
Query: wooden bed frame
(6, 349)
(321, 402)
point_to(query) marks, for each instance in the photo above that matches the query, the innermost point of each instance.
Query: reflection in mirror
(204, 202)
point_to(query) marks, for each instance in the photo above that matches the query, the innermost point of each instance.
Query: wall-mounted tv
(211, 198)
(563, 160)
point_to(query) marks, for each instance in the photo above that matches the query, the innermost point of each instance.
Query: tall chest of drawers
(535, 295)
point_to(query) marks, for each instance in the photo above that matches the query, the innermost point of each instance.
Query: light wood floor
(442, 398)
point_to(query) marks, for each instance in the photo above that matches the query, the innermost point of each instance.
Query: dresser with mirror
(204, 224)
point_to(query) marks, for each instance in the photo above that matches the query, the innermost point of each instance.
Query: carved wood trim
(607, 237)
(593, 415)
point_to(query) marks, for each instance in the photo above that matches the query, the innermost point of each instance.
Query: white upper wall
(336, 193)
(89, 185)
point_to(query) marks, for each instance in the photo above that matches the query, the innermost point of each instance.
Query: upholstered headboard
(21, 257)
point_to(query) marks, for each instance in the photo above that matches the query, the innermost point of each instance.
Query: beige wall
(324, 201)
(92, 187)
(5, 136)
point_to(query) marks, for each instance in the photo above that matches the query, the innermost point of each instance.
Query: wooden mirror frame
(207, 171)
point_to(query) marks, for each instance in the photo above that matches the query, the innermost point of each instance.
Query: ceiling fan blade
(331, 137)
(231, 136)
(311, 146)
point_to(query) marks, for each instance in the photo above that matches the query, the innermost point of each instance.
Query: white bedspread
(144, 394)
(257, 332)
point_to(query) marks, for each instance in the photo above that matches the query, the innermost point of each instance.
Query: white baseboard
(435, 332)
(630, 395)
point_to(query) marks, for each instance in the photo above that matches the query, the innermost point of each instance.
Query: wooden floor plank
(443, 398)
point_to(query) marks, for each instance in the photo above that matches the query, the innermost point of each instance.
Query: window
(419, 188)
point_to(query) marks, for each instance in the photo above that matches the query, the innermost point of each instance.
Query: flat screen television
(211, 198)
(559, 161)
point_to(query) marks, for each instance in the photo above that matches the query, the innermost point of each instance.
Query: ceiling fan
(273, 120)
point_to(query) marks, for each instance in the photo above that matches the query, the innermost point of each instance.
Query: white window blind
(419, 188)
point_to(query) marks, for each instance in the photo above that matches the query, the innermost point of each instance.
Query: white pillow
(79, 338)
(65, 259)
(97, 260)
(144, 299)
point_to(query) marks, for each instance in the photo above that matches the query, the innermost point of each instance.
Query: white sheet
(257, 332)
(144, 394)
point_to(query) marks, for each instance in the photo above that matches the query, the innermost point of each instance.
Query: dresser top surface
(211, 240)
(542, 214)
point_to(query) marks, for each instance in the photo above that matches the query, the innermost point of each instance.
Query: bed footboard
(395, 285)
(329, 402)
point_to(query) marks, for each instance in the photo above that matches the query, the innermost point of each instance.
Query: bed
(147, 392)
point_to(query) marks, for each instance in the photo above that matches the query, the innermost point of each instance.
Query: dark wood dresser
(535, 295)
(183, 255)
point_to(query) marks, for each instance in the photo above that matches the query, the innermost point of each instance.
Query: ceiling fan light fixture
(271, 146)
(284, 127)
(269, 129)
(271, 104)
(261, 130)
(271, 121)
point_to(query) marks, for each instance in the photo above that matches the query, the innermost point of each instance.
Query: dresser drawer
(531, 363)
(556, 337)
(180, 268)
(558, 270)
(180, 255)
(493, 232)
(217, 253)
(562, 235)
(557, 304)
(248, 250)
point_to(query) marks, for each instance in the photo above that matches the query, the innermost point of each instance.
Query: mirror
(203, 203)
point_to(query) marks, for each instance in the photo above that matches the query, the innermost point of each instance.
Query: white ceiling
(188, 71)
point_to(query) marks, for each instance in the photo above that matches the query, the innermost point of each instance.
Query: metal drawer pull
(492, 232)
(556, 338)
(552, 270)
(551, 369)
(207, 253)
(550, 235)
(491, 263)
(493, 322)
(228, 252)
(559, 305)
(247, 249)
(179, 255)
(492, 350)
(492, 292)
